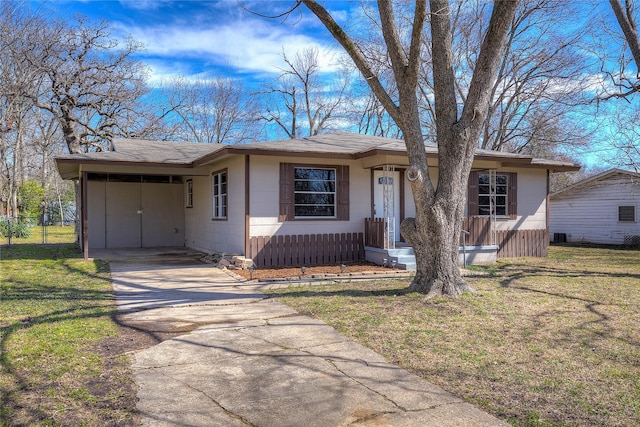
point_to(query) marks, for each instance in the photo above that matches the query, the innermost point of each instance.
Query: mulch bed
(314, 272)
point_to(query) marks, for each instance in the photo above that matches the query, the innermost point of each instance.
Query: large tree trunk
(434, 233)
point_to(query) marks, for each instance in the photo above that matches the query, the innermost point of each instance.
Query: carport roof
(344, 145)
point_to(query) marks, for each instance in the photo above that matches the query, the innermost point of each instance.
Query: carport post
(84, 217)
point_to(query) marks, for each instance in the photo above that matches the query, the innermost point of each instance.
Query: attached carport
(133, 198)
(135, 211)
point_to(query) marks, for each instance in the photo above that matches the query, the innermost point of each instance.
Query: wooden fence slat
(267, 251)
(287, 250)
(295, 249)
(312, 248)
(307, 249)
(345, 246)
(326, 259)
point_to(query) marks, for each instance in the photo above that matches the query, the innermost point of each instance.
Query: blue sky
(204, 38)
(218, 38)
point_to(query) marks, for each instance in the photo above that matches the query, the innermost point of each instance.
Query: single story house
(324, 199)
(599, 209)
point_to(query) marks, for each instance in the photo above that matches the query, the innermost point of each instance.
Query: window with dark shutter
(626, 213)
(313, 192)
(497, 194)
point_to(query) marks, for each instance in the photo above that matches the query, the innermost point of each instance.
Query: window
(314, 192)
(481, 189)
(499, 187)
(219, 194)
(189, 193)
(626, 213)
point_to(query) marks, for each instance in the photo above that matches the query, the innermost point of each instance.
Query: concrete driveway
(248, 361)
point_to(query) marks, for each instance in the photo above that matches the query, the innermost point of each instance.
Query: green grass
(544, 342)
(55, 310)
(52, 234)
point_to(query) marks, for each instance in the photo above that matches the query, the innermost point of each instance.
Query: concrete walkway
(254, 362)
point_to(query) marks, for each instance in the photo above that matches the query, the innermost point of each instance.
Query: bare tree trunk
(628, 26)
(434, 233)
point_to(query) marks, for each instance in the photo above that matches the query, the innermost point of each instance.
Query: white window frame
(219, 195)
(334, 193)
(189, 193)
(493, 187)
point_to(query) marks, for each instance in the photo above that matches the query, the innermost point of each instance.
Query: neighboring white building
(600, 209)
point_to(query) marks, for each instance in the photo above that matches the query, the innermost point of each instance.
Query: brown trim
(342, 193)
(372, 185)
(381, 152)
(554, 168)
(517, 161)
(228, 151)
(226, 217)
(512, 195)
(472, 194)
(124, 163)
(285, 199)
(247, 207)
(401, 189)
(547, 200)
(84, 199)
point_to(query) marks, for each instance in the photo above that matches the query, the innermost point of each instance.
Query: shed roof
(585, 183)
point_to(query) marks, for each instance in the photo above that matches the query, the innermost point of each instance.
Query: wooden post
(84, 226)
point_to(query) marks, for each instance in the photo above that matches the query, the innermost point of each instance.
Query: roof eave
(66, 172)
(228, 151)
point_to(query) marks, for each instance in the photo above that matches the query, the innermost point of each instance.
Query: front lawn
(55, 325)
(544, 342)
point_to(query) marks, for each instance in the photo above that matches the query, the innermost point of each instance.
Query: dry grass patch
(544, 342)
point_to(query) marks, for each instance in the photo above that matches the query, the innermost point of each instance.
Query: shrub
(18, 229)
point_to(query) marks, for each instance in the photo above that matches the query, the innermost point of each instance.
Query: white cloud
(248, 45)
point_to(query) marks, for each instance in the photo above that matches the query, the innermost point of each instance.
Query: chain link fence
(46, 228)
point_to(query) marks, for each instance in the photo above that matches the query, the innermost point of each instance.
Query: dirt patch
(264, 273)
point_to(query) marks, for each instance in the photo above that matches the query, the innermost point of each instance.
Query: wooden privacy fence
(517, 243)
(511, 243)
(374, 232)
(479, 229)
(306, 249)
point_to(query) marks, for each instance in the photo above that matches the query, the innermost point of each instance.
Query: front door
(386, 199)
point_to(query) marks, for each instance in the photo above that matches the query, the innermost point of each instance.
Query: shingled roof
(335, 145)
